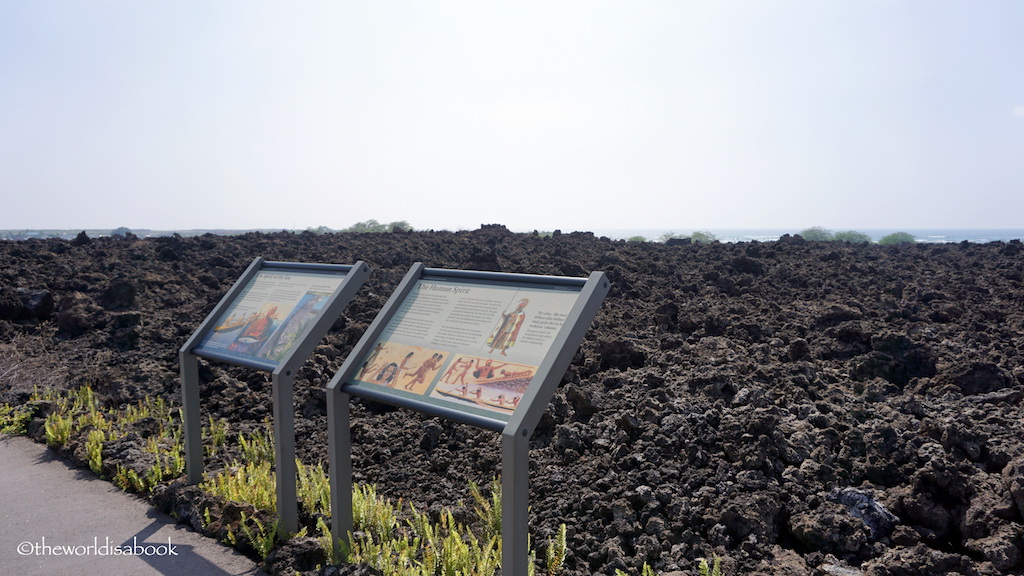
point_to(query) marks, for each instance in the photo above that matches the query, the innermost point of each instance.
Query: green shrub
(817, 234)
(852, 236)
(374, 226)
(898, 238)
(702, 237)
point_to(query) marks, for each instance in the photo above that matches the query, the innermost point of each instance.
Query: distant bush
(636, 239)
(374, 226)
(852, 236)
(702, 237)
(817, 234)
(898, 238)
(698, 237)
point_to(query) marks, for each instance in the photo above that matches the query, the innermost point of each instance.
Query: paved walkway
(56, 519)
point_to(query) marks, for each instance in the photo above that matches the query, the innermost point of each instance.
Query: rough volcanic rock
(796, 407)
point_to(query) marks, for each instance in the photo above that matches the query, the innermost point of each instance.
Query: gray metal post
(284, 454)
(339, 440)
(515, 503)
(192, 420)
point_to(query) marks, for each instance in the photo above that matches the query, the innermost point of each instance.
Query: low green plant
(14, 419)
(252, 482)
(261, 536)
(217, 433)
(94, 449)
(258, 446)
(554, 556)
(488, 510)
(128, 479)
(714, 570)
(313, 488)
(58, 429)
(645, 571)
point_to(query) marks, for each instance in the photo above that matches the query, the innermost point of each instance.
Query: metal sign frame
(293, 357)
(516, 430)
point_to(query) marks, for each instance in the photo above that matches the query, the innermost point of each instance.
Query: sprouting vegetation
(393, 537)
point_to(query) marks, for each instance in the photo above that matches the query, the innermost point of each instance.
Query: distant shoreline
(922, 235)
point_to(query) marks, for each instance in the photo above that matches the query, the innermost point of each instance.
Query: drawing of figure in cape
(505, 334)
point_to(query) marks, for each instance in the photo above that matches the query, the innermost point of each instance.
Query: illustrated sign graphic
(266, 320)
(474, 347)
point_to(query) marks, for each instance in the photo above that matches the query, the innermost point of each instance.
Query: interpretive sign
(271, 319)
(483, 348)
(271, 314)
(469, 346)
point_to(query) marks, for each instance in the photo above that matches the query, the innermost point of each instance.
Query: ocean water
(930, 235)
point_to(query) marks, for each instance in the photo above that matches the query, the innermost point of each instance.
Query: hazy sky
(576, 115)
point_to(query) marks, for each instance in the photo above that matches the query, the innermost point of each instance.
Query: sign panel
(266, 320)
(474, 347)
(481, 348)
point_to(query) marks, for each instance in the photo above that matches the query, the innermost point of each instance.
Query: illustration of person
(451, 369)
(370, 360)
(459, 368)
(420, 374)
(401, 367)
(487, 370)
(461, 376)
(387, 375)
(255, 332)
(505, 334)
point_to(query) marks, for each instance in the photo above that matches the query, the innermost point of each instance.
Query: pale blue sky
(577, 115)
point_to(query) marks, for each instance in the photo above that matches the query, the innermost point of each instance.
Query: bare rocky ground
(796, 407)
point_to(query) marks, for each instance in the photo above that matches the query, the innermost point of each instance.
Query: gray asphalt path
(55, 519)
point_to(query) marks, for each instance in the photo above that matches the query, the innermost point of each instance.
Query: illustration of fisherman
(486, 371)
(505, 334)
(254, 333)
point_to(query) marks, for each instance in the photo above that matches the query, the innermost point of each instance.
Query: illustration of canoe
(230, 325)
(492, 403)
